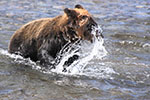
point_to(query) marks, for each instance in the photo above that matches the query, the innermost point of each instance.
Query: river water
(121, 73)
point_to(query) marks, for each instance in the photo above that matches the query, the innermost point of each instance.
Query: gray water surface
(126, 28)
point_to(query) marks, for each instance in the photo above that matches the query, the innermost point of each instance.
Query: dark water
(126, 26)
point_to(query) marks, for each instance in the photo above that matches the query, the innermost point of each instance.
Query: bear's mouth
(89, 27)
(96, 28)
(93, 30)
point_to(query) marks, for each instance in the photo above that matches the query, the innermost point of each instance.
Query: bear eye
(84, 17)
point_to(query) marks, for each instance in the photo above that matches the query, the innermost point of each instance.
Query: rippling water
(124, 73)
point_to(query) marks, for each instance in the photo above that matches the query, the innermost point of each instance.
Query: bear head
(79, 23)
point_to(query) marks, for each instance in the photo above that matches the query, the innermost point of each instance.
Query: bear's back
(27, 32)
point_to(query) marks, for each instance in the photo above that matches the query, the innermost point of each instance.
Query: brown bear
(47, 36)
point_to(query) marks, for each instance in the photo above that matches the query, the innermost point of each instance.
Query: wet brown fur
(51, 34)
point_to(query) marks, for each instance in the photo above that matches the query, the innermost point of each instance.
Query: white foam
(19, 59)
(146, 45)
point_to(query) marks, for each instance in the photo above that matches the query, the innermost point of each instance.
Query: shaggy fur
(47, 36)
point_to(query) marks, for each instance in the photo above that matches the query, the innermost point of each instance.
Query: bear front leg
(45, 59)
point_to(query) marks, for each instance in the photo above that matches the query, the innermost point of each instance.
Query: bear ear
(79, 6)
(70, 12)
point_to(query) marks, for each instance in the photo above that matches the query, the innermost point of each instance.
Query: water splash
(87, 53)
(19, 59)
